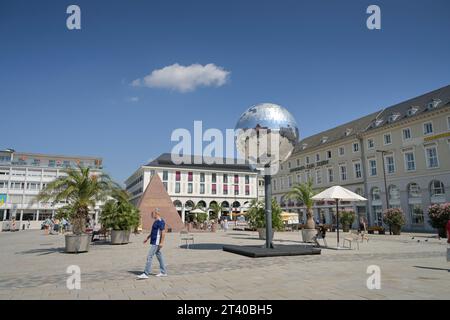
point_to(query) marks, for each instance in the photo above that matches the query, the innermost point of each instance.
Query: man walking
(156, 237)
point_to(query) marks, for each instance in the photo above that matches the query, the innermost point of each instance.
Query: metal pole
(268, 205)
(337, 220)
(384, 178)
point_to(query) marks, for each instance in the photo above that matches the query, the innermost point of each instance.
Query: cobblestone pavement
(33, 266)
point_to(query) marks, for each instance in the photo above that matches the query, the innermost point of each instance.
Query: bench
(187, 237)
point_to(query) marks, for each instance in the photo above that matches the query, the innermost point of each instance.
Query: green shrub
(256, 215)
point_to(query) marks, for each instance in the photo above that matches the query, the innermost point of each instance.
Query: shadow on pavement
(42, 252)
(432, 268)
(203, 246)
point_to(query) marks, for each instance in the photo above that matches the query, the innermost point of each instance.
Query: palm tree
(119, 213)
(81, 190)
(303, 192)
(216, 209)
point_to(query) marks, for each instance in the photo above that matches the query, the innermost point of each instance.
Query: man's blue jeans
(154, 250)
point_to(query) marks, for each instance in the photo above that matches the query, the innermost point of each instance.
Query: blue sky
(69, 92)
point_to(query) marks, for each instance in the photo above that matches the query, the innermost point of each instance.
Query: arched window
(177, 204)
(414, 191)
(394, 193)
(201, 204)
(375, 193)
(436, 188)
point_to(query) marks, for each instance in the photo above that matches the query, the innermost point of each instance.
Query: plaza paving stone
(33, 266)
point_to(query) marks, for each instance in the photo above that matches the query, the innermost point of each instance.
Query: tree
(81, 189)
(256, 215)
(118, 213)
(303, 192)
(216, 210)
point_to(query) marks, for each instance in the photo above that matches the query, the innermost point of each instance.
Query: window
(307, 160)
(390, 164)
(317, 157)
(406, 134)
(213, 188)
(190, 189)
(355, 147)
(165, 175)
(428, 128)
(274, 185)
(376, 194)
(341, 151)
(66, 163)
(329, 154)
(165, 185)
(298, 160)
(33, 186)
(308, 175)
(370, 144)
(343, 173)
(387, 139)
(318, 176)
(410, 163)
(394, 194)
(330, 175)
(357, 170)
(202, 177)
(17, 185)
(236, 189)
(5, 158)
(202, 188)
(436, 188)
(412, 111)
(3, 184)
(432, 157)
(414, 191)
(236, 178)
(177, 187)
(416, 213)
(214, 178)
(190, 176)
(225, 189)
(51, 163)
(247, 190)
(289, 181)
(373, 167)
(299, 178)
(247, 179)
(177, 176)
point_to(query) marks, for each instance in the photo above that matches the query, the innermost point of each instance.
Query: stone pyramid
(156, 196)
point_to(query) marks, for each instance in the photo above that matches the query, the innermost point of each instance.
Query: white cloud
(134, 99)
(184, 78)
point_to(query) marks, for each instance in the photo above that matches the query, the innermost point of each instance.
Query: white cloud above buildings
(184, 78)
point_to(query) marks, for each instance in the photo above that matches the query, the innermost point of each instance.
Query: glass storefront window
(416, 213)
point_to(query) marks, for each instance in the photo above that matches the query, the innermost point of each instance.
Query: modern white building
(23, 175)
(233, 186)
(411, 138)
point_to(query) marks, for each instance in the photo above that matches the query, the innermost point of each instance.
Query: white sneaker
(142, 276)
(161, 274)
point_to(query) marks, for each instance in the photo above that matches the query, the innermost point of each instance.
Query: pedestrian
(156, 238)
(448, 241)
(225, 224)
(28, 224)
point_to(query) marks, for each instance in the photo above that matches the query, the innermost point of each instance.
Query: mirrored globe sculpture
(266, 135)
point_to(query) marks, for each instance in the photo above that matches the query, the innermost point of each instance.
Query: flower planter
(77, 243)
(396, 230)
(381, 232)
(120, 236)
(308, 235)
(345, 228)
(262, 233)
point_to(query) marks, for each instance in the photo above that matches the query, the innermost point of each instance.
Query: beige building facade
(411, 138)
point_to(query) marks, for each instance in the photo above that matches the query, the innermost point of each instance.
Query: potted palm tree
(256, 217)
(82, 190)
(347, 218)
(119, 215)
(303, 192)
(395, 219)
(216, 210)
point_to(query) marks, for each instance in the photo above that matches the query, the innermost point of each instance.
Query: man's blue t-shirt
(157, 228)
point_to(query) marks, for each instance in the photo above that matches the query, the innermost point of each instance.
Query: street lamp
(383, 152)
